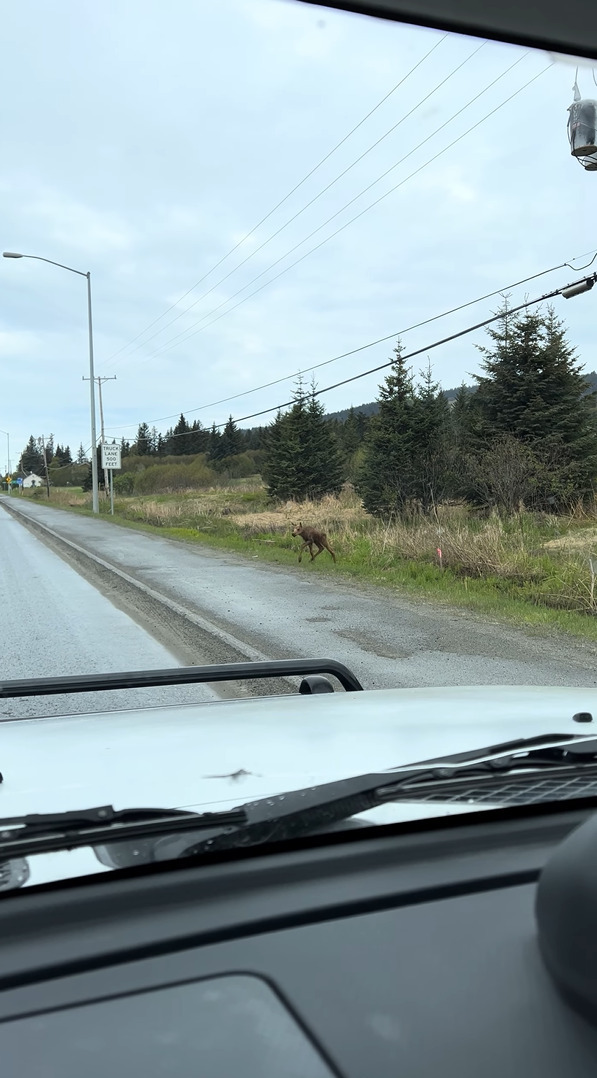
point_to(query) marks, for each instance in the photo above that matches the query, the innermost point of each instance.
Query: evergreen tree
(533, 389)
(431, 464)
(31, 458)
(462, 421)
(302, 459)
(214, 451)
(386, 481)
(198, 438)
(143, 440)
(349, 435)
(81, 458)
(125, 448)
(180, 440)
(230, 442)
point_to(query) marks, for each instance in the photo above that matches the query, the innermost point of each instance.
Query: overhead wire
(323, 191)
(409, 355)
(370, 344)
(296, 187)
(197, 327)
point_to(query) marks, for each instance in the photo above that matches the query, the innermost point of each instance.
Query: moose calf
(311, 537)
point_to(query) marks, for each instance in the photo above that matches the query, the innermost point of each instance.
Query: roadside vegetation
(534, 569)
(485, 499)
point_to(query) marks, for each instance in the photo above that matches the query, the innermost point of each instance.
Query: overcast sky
(144, 140)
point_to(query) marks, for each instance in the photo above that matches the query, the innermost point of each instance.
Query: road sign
(111, 456)
(9, 478)
(20, 481)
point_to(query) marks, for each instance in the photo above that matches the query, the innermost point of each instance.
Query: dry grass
(583, 540)
(332, 513)
(541, 560)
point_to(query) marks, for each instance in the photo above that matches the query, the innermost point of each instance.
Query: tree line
(526, 437)
(525, 434)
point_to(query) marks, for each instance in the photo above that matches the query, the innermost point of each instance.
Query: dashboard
(411, 953)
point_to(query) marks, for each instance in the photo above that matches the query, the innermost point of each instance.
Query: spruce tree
(198, 438)
(230, 442)
(430, 461)
(143, 440)
(533, 388)
(215, 446)
(181, 439)
(386, 481)
(303, 460)
(31, 458)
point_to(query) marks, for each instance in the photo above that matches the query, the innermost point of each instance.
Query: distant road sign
(9, 478)
(20, 481)
(111, 456)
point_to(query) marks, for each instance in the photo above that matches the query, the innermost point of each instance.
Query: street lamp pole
(80, 273)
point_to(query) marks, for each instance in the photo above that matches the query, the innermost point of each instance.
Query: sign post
(111, 459)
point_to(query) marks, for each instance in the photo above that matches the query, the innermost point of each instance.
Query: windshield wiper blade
(24, 836)
(301, 812)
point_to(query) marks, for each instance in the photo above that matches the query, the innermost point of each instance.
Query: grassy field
(532, 570)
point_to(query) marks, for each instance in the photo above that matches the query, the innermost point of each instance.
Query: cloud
(145, 140)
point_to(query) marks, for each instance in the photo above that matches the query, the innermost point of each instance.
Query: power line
(316, 197)
(370, 344)
(410, 355)
(287, 196)
(191, 330)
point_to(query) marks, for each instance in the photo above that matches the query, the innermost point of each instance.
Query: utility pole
(43, 446)
(99, 380)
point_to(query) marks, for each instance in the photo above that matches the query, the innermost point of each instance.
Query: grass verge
(530, 571)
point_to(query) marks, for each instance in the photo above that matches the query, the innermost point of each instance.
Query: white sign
(111, 456)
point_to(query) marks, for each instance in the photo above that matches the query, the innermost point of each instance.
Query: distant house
(33, 481)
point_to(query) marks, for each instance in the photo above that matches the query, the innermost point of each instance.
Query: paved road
(54, 622)
(280, 613)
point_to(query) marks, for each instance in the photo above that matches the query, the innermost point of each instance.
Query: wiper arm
(24, 836)
(301, 812)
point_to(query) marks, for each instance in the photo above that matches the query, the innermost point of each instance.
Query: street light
(7, 450)
(94, 477)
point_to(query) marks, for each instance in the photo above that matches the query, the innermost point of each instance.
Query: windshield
(297, 341)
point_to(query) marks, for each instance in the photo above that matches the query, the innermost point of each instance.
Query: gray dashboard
(413, 954)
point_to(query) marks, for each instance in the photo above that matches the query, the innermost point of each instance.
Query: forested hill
(372, 407)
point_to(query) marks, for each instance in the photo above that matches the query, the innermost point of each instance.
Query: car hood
(215, 755)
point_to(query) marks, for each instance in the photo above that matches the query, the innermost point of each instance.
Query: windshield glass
(297, 363)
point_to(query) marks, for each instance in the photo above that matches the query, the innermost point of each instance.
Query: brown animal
(311, 537)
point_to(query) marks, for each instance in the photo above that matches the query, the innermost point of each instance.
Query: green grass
(500, 570)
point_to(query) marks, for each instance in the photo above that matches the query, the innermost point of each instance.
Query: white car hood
(219, 754)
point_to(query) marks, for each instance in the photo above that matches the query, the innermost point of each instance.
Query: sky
(143, 142)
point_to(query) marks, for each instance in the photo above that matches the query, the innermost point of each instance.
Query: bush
(165, 478)
(240, 466)
(124, 483)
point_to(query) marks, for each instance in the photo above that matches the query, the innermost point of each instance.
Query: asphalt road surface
(223, 607)
(53, 622)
